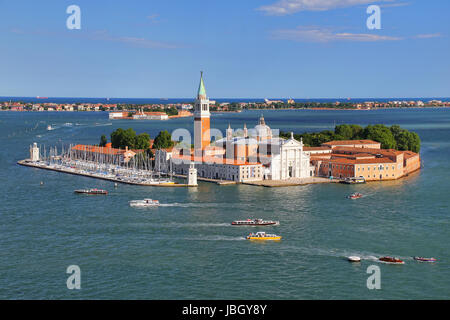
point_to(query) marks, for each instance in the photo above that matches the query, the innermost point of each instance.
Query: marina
(125, 176)
(90, 163)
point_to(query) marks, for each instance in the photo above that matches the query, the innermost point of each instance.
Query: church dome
(263, 130)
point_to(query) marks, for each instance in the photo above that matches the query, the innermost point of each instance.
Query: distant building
(150, 116)
(118, 115)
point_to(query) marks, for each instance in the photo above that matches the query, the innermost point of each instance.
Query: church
(243, 155)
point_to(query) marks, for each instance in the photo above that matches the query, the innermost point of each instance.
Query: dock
(290, 182)
(216, 181)
(29, 163)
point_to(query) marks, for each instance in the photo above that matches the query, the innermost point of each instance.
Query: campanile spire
(201, 94)
(202, 135)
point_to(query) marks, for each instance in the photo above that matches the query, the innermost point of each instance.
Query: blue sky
(247, 49)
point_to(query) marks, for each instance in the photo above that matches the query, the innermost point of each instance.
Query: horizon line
(222, 98)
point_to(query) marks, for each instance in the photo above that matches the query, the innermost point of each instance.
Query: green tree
(345, 131)
(357, 131)
(163, 140)
(142, 141)
(382, 134)
(414, 142)
(116, 138)
(171, 111)
(390, 138)
(123, 138)
(103, 141)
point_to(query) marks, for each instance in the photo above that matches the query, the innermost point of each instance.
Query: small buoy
(115, 185)
(354, 259)
(42, 183)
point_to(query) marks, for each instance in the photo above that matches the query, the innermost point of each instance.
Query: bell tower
(202, 135)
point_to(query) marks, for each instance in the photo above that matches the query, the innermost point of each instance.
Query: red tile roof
(368, 150)
(357, 161)
(96, 149)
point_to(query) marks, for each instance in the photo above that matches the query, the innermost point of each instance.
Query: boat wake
(103, 124)
(344, 254)
(199, 224)
(190, 205)
(186, 225)
(214, 238)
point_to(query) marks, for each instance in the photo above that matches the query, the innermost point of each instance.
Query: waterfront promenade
(291, 182)
(95, 175)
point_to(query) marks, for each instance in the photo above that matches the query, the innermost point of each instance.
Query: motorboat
(424, 259)
(354, 259)
(356, 195)
(391, 260)
(144, 203)
(92, 191)
(255, 222)
(49, 128)
(263, 236)
(353, 180)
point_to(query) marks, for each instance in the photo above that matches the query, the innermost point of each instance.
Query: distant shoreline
(253, 109)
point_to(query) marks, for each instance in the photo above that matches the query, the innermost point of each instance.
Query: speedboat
(263, 236)
(356, 195)
(255, 222)
(49, 128)
(354, 259)
(92, 191)
(353, 180)
(144, 203)
(424, 259)
(391, 260)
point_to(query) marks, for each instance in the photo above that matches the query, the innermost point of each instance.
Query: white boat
(354, 259)
(144, 203)
(255, 222)
(49, 128)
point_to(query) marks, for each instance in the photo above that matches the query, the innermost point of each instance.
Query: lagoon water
(186, 248)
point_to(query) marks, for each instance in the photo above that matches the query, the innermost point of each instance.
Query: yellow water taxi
(263, 236)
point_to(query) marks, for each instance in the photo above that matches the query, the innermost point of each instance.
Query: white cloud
(134, 41)
(393, 5)
(103, 35)
(284, 7)
(428, 36)
(319, 34)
